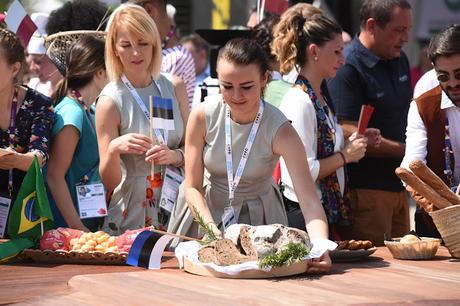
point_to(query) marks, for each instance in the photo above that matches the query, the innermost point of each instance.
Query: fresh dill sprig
(209, 233)
(291, 253)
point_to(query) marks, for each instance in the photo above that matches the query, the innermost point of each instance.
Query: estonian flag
(19, 22)
(147, 249)
(162, 113)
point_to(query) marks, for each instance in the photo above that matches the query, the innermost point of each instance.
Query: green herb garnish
(291, 253)
(208, 232)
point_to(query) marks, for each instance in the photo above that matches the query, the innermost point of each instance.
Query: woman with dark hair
(25, 120)
(74, 153)
(237, 138)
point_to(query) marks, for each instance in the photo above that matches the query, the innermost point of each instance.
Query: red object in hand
(364, 118)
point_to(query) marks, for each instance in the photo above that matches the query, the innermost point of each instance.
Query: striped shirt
(179, 61)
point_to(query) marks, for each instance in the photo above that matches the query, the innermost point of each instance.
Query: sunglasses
(443, 77)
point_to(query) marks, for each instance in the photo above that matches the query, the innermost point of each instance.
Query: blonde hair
(139, 25)
(287, 35)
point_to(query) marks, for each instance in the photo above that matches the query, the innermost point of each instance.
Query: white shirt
(416, 135)
(298, 108)
(44, 88)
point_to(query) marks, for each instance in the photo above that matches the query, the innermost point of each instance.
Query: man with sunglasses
(433, 122)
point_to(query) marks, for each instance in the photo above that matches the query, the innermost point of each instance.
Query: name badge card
(170, 189)
(229, 217)
(91, 200)
(4, 209)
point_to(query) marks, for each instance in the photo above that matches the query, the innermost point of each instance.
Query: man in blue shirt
(199, 49)
(377, 73)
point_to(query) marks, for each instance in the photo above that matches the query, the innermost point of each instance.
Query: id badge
(170, 189)
(91, 200)
(4, 210)
(229, 217)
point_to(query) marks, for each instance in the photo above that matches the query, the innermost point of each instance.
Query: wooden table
(378, 280)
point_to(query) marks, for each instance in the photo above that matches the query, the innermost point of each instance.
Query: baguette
(434, 181)
(423, 189)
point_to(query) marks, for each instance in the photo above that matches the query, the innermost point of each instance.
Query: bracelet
(181, 152)
(343, 158)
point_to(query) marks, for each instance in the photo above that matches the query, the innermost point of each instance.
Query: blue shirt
(199, 81)
(384, 84)
(85, 160)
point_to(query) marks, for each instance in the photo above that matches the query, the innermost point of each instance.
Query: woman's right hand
(355, 148)
(132, 143)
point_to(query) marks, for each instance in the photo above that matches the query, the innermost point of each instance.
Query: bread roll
(430, 178)
(409, 238)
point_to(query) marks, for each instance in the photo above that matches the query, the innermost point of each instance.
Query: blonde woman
(133, 60)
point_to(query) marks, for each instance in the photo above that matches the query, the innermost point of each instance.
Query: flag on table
(162, 113)
(31, 207)
(147, 249)
(11, 248)
(19, 22)
(30, 215)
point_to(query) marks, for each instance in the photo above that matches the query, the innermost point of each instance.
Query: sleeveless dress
(257, 198)
(128, 207)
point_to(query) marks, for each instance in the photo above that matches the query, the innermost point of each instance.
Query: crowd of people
(91, 122)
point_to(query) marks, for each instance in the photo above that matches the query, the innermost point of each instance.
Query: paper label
(170, 189)
(91, 200)
(229, 217)
(4, 210)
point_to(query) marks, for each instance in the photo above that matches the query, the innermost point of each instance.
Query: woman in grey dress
(133, 59)
(237, 131)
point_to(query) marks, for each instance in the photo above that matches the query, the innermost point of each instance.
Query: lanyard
(448, 152)
(144, 109)
(233, 181)
(79, 99)
(11, 130)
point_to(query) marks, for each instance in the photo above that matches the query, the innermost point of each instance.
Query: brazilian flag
(30, 215)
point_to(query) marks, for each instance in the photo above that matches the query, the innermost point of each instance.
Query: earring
(315, 58)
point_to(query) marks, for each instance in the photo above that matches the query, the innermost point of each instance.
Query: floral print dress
(34, 120)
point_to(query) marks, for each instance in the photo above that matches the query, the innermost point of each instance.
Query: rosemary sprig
(291, 253)
(209, 233)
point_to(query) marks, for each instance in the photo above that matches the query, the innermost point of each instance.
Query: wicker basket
(447, 221)
(57, 45)
(426, 248)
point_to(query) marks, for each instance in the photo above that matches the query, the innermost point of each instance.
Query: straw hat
(57, 45)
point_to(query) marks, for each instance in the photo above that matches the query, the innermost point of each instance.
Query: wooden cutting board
(294, 269)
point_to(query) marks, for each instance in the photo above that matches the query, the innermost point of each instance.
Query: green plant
(291, 253)
(209, 235)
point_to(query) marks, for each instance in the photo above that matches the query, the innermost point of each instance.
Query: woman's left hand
(320, 265)
(8, 161)
(374, 138)
(162, 155)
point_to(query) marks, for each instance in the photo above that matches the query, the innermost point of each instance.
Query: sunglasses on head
(444, 77)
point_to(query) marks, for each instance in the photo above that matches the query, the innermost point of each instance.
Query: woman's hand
(374, 138)
(8, 161)
(355, 148)
(131, 143)
(162, 155)
(320, 265)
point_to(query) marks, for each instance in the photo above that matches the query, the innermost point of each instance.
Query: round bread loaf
(409, 238)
